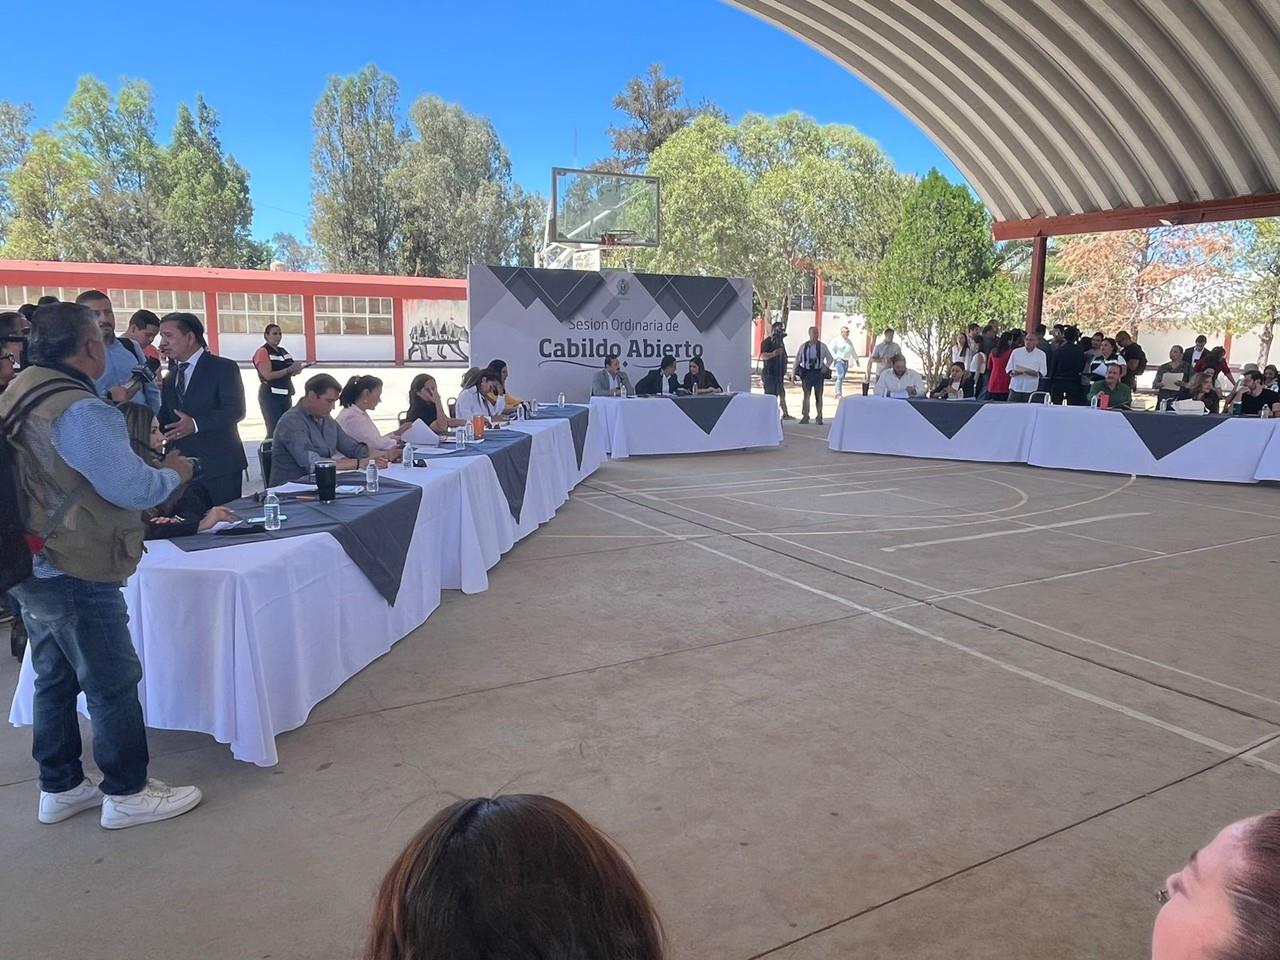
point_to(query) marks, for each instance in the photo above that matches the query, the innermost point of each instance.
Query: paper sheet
(419, 434)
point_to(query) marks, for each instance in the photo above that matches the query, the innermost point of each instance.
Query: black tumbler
(327, 480)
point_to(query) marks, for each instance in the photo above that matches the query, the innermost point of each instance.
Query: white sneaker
(56, 807)
(156, 801)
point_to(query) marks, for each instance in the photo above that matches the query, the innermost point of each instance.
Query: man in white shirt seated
(899, 382)
(612, 381)
(1026, 365)
(480, 399)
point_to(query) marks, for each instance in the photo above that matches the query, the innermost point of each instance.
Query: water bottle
(728, 388)
(407, 458)
(1093, 401)
(560, 400)
(271, 512)
(371, 477)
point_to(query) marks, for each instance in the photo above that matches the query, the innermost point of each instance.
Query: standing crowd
(1017, 366)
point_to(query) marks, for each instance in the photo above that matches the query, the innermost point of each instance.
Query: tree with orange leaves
(1142, 279)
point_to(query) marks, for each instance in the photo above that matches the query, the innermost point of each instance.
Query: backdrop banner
(554, 328)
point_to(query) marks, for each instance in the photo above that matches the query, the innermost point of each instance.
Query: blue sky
(543, 72)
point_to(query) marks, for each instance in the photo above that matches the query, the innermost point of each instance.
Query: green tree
(655, 107)
(454, 188)
(207, 209)
(117, 136)
(940, 273)
(52, 198)
(1254, 300)
(359, 144)
(774, 199)
(15, 141)
(296, 255)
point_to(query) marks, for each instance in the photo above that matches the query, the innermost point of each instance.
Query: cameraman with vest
(81, 490)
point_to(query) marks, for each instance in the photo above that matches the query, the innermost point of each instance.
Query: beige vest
(85, 536)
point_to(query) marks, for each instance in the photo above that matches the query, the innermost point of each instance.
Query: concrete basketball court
(833, 705)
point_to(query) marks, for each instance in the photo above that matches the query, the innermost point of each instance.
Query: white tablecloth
(1080, 438)
(652, 425)
(998, 432)
(1237, 450)
(243, 641)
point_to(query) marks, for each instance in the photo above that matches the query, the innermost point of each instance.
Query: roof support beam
(1136, 218)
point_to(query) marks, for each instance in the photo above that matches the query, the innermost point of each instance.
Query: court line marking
(1031, 675)
(1030, 528)
(865, 476)
(935, 526)
(1112, 649)
(1117, 566)
(940, 593)
(1080, 536)
(1192, 503)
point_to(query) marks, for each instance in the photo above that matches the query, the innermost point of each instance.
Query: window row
(253, 312)
(354, 305)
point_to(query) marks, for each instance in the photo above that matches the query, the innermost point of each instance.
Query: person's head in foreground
(1031, 341)
(899, 364)
(515, 877)
(888, 334)
(813, 334)
(668, 366)
(844, 332)
(1201, 341)
(1224, 904)
(957, 372)
(320, 395)
(1113, 374)
(612, 364)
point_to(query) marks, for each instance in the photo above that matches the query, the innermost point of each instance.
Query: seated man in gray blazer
(612, 381)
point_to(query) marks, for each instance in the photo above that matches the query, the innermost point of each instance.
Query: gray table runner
(375, 529)
(508, 451)
(1163, 433)
(948, 417)
(578, 417)
(705, 410)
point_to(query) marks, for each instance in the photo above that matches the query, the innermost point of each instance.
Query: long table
(241, 642)
(1148, 444)
(656, 425)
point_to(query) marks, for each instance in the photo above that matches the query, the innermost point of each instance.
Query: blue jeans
(79, 636)
(842, 370)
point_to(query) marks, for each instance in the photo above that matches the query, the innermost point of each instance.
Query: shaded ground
(833, 705)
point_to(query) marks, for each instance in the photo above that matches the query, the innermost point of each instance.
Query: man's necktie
(181, 385)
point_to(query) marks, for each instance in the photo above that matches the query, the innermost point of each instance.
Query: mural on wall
(435, 332)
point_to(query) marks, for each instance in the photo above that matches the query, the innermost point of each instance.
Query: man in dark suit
(662, 380)
(201, 402)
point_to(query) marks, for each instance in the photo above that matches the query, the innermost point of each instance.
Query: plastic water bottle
(560, 400)
(728, 388)
(271, 512)
(407, 457)
(1093, 401)
(371, 477)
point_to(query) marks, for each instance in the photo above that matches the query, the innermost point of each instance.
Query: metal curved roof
(1054, 108)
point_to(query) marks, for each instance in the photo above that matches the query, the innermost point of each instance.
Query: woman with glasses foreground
(1225, 903)
(511, 878)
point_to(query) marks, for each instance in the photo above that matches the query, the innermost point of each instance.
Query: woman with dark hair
(499, 371)
(956, 386)
(1225, 903)
(358, 397)
(276, 370)
(425, 405)
(481, 398)
(514, 877)
(1215, 362)
(1108, 352)
(700, 376)
(997, 374)
(1172, 377)
(189, 509)
(1270, 381)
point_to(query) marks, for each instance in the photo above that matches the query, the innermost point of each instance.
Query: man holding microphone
(81, 491)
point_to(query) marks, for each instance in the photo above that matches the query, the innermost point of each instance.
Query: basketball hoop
(616, 238)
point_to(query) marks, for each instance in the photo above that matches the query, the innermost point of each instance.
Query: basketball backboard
(613, 209)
